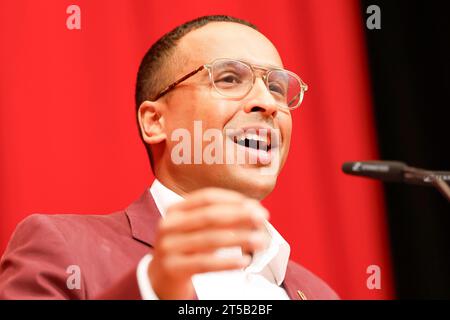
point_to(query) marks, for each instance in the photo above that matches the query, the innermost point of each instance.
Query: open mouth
(253, 141)
(259, 139)
(255, 145)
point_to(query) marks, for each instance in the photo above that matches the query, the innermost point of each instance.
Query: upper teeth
(251, 136)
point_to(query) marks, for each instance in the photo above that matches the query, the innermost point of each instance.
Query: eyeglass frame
(253, 67)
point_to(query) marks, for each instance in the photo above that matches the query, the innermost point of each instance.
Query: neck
(179, 185)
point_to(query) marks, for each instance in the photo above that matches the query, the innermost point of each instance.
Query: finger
(208, 241)
(208, 196)
(188, 265)
(251, 215)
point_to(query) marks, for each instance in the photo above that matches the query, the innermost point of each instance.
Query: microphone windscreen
(383, 170)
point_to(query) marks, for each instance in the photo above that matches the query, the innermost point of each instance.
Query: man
(220, 75)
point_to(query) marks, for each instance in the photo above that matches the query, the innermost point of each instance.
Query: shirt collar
(163, 196)
(271, 262)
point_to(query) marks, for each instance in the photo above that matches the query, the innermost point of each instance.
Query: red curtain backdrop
(69, 143)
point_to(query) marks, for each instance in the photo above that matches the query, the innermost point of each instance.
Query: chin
(250, 182)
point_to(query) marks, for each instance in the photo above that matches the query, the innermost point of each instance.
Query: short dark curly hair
(150, 78)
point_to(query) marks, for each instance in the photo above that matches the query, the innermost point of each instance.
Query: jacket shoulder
(43, 246)
(68, 225)
(35, 261)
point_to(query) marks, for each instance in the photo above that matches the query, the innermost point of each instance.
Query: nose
(261, 100)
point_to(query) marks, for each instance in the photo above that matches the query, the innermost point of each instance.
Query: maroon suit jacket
(107, 249)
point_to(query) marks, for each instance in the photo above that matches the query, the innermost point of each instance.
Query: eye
(228, 79)
(277, 88)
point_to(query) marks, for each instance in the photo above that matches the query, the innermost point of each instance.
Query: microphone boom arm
(431, 177)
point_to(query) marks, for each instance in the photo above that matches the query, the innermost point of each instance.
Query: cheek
(214, 111)
(211, 110)
(285, 124)
(286, 130)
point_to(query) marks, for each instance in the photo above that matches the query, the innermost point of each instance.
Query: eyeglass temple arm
(173, 85)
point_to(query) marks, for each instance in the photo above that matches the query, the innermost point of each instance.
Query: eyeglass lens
(233, 78)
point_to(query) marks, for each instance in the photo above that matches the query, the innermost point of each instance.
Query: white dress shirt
(261, 280)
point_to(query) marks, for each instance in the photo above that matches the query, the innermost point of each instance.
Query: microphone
(396, 171)
(391, 171)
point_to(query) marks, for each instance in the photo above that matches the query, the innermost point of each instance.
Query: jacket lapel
(292, 284)
(143, 216)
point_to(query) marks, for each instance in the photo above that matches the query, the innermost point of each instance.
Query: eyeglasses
(235, 79)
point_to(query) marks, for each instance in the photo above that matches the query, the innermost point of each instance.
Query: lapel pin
(301, 295)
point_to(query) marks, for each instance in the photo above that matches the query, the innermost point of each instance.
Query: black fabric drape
(410, 69)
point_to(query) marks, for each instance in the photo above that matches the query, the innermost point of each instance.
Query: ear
(151, 122)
